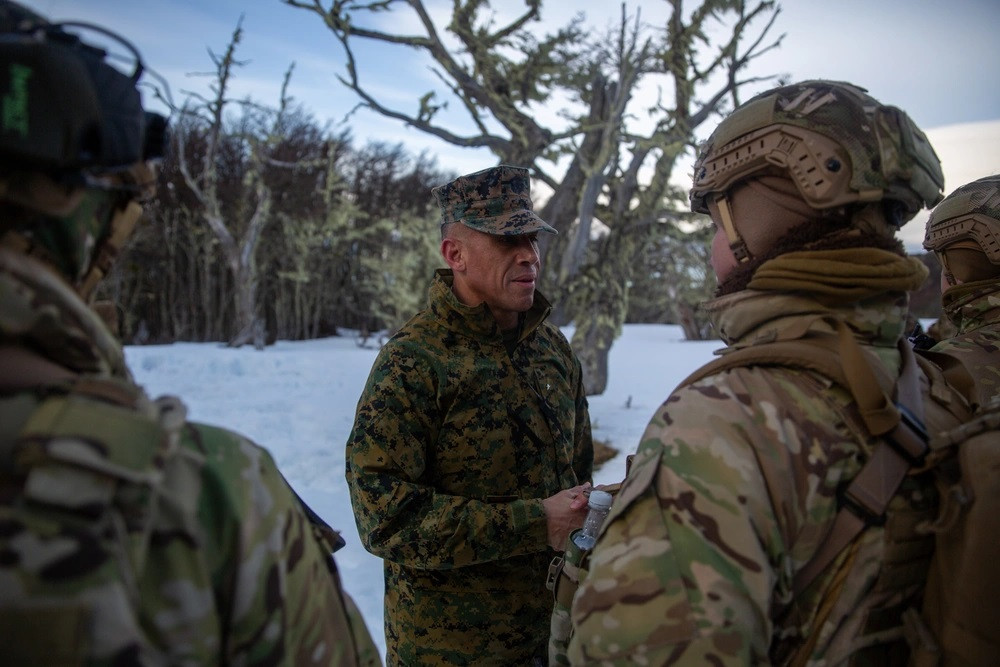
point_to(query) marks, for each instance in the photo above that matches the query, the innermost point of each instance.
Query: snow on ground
(298, 400)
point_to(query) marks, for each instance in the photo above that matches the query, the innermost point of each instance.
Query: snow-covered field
(298, 400)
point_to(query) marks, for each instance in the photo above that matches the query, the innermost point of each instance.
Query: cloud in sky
(924, 56)
(968, 151)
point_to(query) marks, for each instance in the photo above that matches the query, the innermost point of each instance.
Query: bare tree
(637, 207)
(493, 89)
(616, 174)
(239, 223)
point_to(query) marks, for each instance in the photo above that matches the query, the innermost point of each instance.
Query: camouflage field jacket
(975, 309)
(733, 488)
(455, 444)
(130, 536)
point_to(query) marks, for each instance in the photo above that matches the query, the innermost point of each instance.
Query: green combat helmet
(837, 144)
(968, 219)
(77, 149)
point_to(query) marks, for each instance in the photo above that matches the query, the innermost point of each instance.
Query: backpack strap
(838, 356)
(25, 369)
(955, 372)
(866, 498)
(835, 355)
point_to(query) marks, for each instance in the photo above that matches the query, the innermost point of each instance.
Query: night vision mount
(65, 110)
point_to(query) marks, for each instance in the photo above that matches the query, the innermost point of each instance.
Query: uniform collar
(477, 320)
(753, 317)
(971, 306)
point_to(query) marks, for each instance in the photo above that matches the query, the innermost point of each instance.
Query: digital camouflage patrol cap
(77, 149)
(494, 201)
(838, 144)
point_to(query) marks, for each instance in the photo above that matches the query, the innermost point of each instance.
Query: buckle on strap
(858, 508)
(867, 496)
(555, 569)
(909, 438)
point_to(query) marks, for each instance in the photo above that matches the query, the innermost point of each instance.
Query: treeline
(268, 225)
(350, 240)
(351, 243)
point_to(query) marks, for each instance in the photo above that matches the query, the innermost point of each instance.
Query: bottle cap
(601, 499)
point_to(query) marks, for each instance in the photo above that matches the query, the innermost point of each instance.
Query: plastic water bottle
(599, 504)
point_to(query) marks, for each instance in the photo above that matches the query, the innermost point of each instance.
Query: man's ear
(454, 254)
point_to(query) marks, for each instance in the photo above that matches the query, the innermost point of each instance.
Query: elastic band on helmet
(736, 244)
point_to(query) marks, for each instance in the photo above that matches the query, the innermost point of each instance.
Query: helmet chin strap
(142, 178)
(121, 228)
(736, 244)
(945, 269)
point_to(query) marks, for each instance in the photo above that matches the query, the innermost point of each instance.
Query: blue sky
(936, 59)
(933, 58)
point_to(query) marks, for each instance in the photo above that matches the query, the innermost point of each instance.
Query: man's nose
(527, 251)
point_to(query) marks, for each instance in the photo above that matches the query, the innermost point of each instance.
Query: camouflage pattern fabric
(732, 490)
(455, 444)
(941, 328)
(494, 201)
(807, 129)
(974, 309)
(969, 217)
(131, 536)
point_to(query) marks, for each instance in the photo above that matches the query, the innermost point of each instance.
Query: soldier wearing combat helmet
(964, 232)
(129, 535)
(722, 546)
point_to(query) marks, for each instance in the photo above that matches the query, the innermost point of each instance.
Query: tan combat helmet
(964, 231)
(837, 144)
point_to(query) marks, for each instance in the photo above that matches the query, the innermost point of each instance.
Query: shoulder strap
(838, 356)
(955, 373)
(835, 355)
(24, 369)
(866, 498)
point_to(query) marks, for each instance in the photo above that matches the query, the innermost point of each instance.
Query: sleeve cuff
(528, 518)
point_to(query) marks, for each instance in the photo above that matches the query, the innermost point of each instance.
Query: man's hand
(564, 513)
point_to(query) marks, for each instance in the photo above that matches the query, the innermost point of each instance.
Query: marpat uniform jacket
(455, 444)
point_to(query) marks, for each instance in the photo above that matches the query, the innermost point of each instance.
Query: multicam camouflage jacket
(974, 308)
(131, 536)
(455, 444)
(732, 490)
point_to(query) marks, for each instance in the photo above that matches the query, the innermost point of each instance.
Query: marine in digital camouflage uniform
(128, 535)
(471, 439)
(735, 483)
(964, 232)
